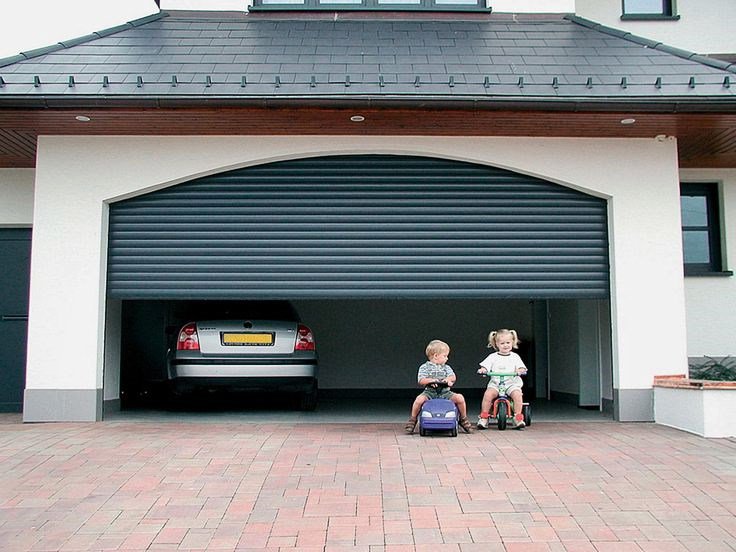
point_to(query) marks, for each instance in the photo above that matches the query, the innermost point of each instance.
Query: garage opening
(381, 253)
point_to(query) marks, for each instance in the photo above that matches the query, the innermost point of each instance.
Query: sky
(28, 24)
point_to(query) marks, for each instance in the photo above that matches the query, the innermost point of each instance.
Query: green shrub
(716, 369)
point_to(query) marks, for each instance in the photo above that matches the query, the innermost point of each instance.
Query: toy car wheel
(527, 411)
(422, 432)
(454, 432)
(501, 414)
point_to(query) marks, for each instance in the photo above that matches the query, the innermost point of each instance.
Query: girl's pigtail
(492, 340)
(516, 338)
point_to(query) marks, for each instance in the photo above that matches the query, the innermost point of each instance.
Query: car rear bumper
(228, 368)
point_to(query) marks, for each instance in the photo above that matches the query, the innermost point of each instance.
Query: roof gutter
(707, 104)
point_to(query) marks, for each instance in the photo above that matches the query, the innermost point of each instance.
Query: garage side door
(15, 260)
(360, 226)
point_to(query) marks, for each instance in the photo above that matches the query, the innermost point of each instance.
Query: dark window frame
(668, 11)
(709, 191)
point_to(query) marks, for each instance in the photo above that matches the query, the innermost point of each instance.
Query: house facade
(438, 171)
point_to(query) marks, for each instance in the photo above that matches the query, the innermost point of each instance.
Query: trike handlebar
(502, 374)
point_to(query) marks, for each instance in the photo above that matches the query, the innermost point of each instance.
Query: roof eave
(709, 104)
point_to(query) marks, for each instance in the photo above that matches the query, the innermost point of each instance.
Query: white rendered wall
(532, 6)
(77, 176)
(704, 27)
(589, 357)
(711, 300)
(208, 5)
(606, 373)
(16, 197)
(112, 350)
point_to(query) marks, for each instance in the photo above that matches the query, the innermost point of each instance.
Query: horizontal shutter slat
(360, 226)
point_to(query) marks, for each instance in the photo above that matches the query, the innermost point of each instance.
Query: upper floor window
(649, 9)
(701, 228)
(394, 5)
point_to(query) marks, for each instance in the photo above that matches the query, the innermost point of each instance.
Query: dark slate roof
(221, 55)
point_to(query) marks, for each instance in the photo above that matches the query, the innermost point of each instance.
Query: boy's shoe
(519, 421)
(411, 423)
(466, 425)
(482, 423)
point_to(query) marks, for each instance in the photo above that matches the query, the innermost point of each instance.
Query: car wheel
(174, 398)
(308, 400)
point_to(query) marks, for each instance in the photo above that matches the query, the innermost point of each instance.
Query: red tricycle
(502, 407)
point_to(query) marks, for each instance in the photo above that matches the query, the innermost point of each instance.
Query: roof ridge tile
(659, 46)
(80, 40)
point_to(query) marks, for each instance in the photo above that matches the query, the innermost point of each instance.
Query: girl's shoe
(411, 423)
(482, 423)
(519, 421)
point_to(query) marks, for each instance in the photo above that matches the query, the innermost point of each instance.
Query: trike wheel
(501, 414)
(527, 411)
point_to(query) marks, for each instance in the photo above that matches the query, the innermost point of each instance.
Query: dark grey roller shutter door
(360, 226)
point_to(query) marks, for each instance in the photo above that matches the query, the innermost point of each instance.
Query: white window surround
(708, 299)
(702, 228)
(664, 8)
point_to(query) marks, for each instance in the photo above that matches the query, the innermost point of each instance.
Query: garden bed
(703, 407)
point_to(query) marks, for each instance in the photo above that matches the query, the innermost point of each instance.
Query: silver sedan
(245, 354)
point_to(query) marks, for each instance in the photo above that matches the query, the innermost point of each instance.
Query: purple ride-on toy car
(438, 415)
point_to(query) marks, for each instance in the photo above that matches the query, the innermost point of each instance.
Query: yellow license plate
(247, 339)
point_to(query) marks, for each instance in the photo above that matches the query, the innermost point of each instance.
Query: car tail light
(304, 339)
(188, 339)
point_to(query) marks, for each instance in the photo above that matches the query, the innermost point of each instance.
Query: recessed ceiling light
(82, 118)
(629, 121)
(357, 118)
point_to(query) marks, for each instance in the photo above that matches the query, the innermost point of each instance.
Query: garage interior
(379, 254)
(370, 351)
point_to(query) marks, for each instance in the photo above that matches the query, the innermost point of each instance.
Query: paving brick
(225, 486)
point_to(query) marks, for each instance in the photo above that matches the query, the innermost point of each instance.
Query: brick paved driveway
(339, 487)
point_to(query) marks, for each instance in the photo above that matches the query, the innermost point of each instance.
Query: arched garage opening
(379, 253)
